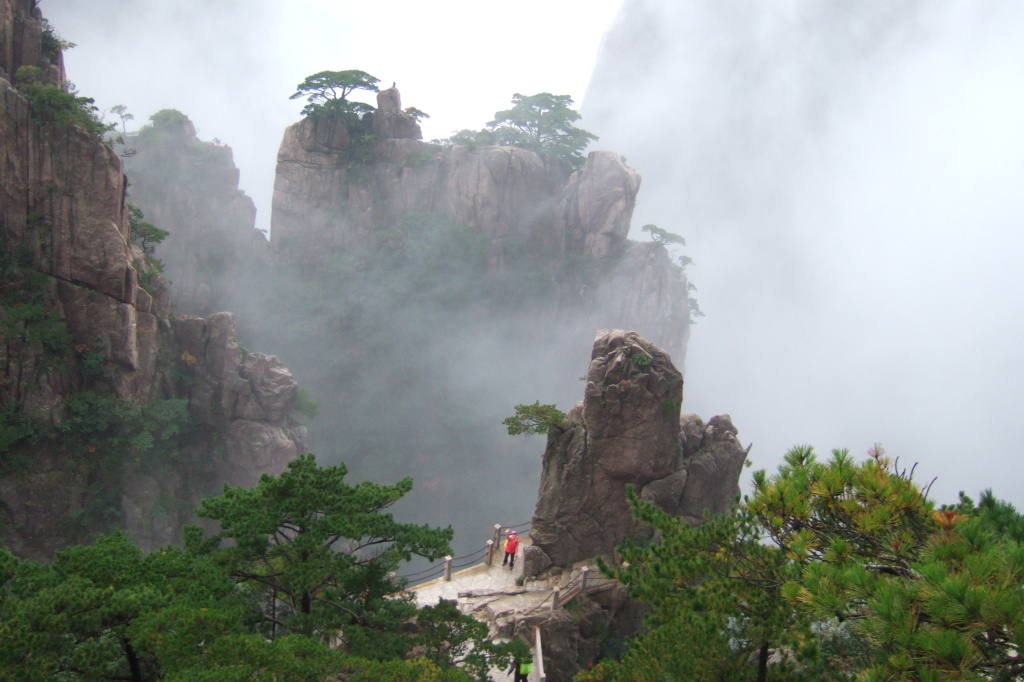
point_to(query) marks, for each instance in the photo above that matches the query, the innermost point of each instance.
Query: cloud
(848, 179)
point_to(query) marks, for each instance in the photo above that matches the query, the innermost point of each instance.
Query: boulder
(597, 205)
(714, 472)
(271, 389)
(255, 448)
(631, 408)
(390, 121)
(223, 355)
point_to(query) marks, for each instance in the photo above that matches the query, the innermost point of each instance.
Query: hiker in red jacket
(511, 545)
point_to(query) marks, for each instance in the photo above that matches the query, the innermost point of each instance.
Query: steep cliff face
(628, 431)
(111, 413)
(326, 197)
(190, 189)
(335, 190)
(22, 41)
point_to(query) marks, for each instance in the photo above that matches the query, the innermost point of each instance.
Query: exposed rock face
(99, 346)
(326, 200)
(597, 204)
(390, 121)
(573, 640)
(323, 201)
(248, 399)
(321, 198)
(640, 292)
(21, 41)
(190, 189)
(628, 431)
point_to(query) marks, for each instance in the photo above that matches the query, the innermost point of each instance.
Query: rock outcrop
(131, 415)
(324, 201)
(628, 431)
(333, 193)
(596, 205)
(190, 189)
(390, 120)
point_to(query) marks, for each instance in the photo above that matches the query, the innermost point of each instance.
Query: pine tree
(318, 551)
(844, 569)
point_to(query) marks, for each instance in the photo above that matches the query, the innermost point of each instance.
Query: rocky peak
(628, 431)
(189, 187)
(390, 120)
(327, 200)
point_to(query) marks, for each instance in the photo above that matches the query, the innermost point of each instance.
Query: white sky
(231, 65)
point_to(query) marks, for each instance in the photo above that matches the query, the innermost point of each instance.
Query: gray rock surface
(62, 205)
(390, 120)
(189, 188)
(327, 202)
(597, 204)
(628, 431)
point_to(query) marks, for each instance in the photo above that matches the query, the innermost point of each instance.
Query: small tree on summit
(328, 91)
(543, 123)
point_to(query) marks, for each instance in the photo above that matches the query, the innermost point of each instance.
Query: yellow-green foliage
(845, 565)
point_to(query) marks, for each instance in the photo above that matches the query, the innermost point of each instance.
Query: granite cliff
(628, 431)
(131, 414)
(190, 188)
(336, 190)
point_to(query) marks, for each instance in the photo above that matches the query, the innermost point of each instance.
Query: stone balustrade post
(554, 598)
(489, 557)
(538, 656)
(447, 569)
(584, 572)
(497, 533)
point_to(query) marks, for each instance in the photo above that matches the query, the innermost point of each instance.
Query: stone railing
(448, 565)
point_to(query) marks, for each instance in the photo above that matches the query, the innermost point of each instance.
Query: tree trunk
(762, 663)
(133, 660)
(307, 602)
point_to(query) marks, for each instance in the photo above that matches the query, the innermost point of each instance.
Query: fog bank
(848, 177)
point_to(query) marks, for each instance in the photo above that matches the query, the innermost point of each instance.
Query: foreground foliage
(308, 564)
(315, 552)
(841, 570)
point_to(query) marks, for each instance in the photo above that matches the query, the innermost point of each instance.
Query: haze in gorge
(433, 408)
(847, 178)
